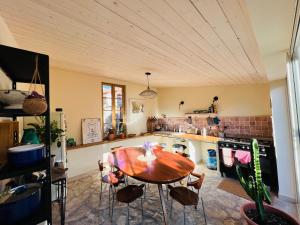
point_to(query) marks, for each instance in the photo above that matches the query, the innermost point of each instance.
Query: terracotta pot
(111, 137)
(122, 136)
(268, 208)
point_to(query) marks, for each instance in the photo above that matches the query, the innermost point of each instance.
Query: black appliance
(267, 159)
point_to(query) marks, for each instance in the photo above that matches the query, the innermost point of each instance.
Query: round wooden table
(166, 168)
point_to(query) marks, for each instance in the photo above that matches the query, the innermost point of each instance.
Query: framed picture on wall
(137, 105)
(91, 130)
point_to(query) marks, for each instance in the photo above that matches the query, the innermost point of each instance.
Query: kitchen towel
(244, 157)
(228, 158)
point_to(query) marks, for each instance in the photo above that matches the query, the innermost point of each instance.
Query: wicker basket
(35, 106)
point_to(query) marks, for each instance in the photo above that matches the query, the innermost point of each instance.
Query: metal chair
(186, 196)
(129, 194)
(113, 183)
(180, 149)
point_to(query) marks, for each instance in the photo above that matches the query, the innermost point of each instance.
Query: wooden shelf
(202, 114)
(8, 171)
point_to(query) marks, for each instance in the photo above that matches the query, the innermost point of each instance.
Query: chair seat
(120, 178)
(130, 193)
(184, 195)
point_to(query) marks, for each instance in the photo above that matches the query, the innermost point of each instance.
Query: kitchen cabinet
(196, 148)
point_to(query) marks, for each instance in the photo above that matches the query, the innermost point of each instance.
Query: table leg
(163, 204)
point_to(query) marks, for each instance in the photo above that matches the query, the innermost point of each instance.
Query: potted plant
(111, 134)
(40, 128)
(122, 133)
(258, 212)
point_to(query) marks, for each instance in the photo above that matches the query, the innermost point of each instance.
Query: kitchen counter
(193, 137)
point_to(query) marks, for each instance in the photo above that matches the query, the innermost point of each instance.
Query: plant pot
(122, 136)
(111, 137)
(268, 208)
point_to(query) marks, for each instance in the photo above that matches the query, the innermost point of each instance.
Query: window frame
(113, 107)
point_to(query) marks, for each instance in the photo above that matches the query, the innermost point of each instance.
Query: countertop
(193, 137)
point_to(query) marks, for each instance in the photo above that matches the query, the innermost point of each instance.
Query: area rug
(234, 187)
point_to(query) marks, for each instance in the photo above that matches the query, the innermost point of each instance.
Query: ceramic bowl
(13, 99)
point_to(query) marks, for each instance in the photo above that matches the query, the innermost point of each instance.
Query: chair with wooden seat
(128, 195)
(187, 197)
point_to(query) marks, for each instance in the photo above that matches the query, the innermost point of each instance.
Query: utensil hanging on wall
(35, 103)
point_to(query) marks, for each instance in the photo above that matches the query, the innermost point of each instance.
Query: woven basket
(35, 106)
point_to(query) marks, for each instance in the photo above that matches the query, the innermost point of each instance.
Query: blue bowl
(22, 202)
(26, 155)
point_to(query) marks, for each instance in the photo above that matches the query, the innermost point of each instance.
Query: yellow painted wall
(234, 100)
(80, 97)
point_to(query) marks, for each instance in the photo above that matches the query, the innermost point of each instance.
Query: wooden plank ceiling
(182, 42)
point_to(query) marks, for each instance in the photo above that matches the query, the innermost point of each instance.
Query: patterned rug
(84, 208)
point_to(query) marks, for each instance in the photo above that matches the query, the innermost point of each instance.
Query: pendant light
(148, 93)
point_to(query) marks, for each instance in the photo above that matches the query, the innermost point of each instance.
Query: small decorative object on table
(149, 156)
(35, 104)
(258, 212)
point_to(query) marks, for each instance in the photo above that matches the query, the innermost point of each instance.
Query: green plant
(123, 129)
(253, 184)
(40, 128)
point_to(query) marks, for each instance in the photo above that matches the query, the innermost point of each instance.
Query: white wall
(283, 140)
(84, 160)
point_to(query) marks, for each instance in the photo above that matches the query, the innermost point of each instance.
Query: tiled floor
(84, 208)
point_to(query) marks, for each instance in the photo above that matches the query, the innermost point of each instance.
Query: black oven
(267, 160)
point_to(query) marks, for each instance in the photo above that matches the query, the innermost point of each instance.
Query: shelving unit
(18, 65)
(202, 114)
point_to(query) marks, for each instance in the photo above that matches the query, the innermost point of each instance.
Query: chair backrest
(182, 154)
(179, 146)
(115, 148)
(101, 166)
(197, 184)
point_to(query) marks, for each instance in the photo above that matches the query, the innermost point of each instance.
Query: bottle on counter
(203, 131)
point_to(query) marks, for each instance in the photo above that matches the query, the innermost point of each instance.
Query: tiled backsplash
(258, 126)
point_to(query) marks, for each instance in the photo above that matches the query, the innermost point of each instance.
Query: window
(113, 108)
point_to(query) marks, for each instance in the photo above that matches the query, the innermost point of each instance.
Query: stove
(266, 153)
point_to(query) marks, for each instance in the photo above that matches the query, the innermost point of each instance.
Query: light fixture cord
(148, 81)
